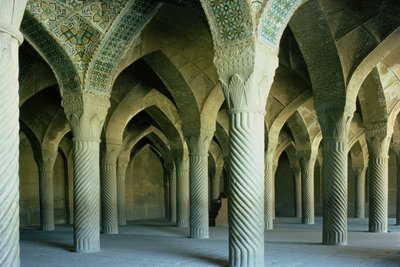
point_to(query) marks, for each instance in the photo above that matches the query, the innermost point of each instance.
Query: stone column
(396, 146)
(215, 190)
(335, 125)
(307, 189)
(109, 187)
(182, 191)
(246, 71)
(359, 173)
(86, 114)
(269, 187)
(274, 168)
(297, 191)
(378, 140)
(11, 13)
(198, 158)
(172, 189)
(46, 189)
(121, 189)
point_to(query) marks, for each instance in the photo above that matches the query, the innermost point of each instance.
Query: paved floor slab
(158, 243)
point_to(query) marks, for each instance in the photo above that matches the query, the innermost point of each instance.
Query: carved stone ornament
(86, 114)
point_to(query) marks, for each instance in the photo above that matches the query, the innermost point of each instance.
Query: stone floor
(158, 243)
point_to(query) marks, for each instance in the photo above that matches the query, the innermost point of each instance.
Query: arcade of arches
(113, 111)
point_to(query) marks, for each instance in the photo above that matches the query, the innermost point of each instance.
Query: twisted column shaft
(172, 201)
(215, 189)
(86, 114)
(398, 190)
(307, 191)
(378, 194)
(378, 139)
(121, 191)
(335, 119)
(360, 192)
(335, 193)
(86, 196)
(268, 196)
(198, 196)
(46, 190)
(297, 191)
(246, 193)
(109, 189)
(9, 150)
(182, 198)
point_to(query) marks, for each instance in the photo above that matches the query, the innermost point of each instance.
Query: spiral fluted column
(378, 139)
(297, 191)
(86, 114)
(216, 190)
(172, 189)
(307, 190)
(335, 124)
(46, 190)
(269, 190)
(198, 158)
(109, 188)
(397, 150)
(121, 189)
(359, 173)
(182, 192)
(10, 18)
(246, 193)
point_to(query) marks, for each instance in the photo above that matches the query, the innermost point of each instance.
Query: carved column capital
(246, 71)
(86, 114)
(334, 119)
(199, 144)
(110, 152)
(378, 139)
(49, 156)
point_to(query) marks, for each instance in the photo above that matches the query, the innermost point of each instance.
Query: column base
(334, 239)
(182, 224)
(87, 246)
(199, 233)
(269, 225)
(307, 220)
(378, 228)
(47, 227)
(110, 229)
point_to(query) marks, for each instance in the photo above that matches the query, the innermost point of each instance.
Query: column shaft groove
(86, 196)
(378, 195)
(198, 196)
(246, 192)
(9, 152)
(335, 193)
(109, 198)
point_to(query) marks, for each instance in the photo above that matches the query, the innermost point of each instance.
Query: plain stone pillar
(359, 173)
(335, 125)
(182, 191)
(297, 191)
(121, 189)
(46, 189)
(11, 13)
(198, 158)
(378, 140)
(86, 114)
(109, 188)
(307, 190)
